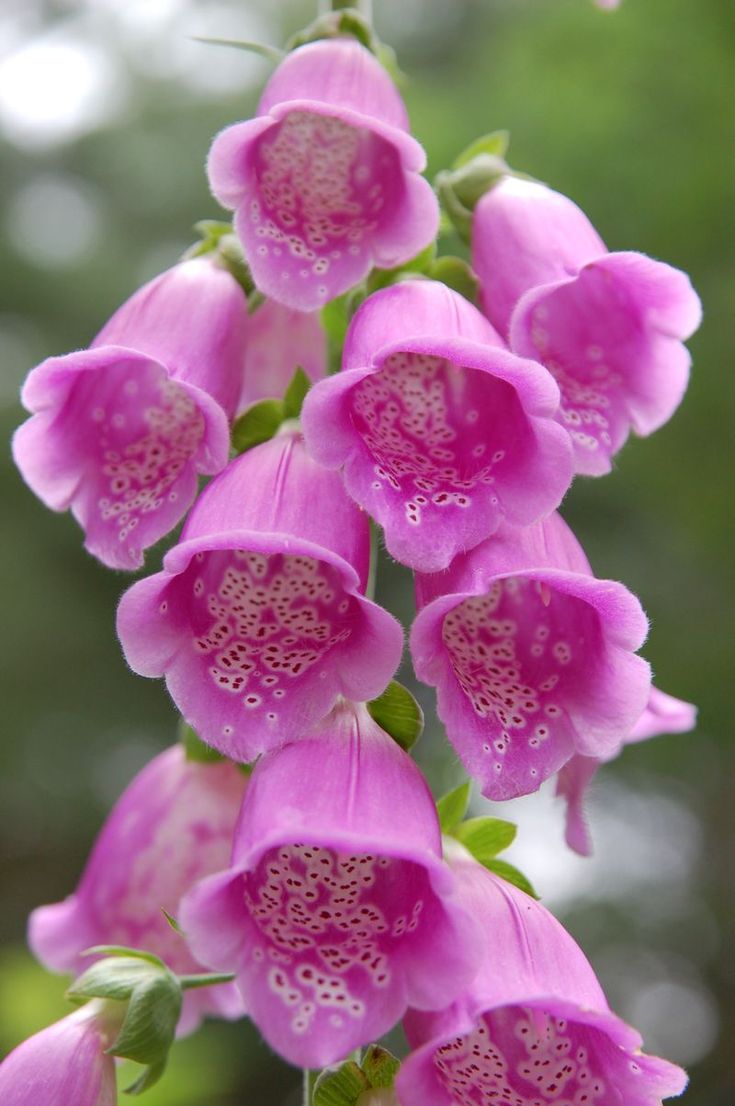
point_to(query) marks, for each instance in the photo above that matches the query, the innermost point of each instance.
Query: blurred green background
(107, 108)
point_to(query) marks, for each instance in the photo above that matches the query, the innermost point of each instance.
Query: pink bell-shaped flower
(441, 431)
(532, 657)
(533, 1027)
(172, 826)
(663, 715)
(608, 326)
(65, 1064)
(281, 340)
(258, 620)
(120, 431)
(325, 180)
(337, 898)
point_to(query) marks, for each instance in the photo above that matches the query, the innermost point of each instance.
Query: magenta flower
(172, 826)
(258, 621)
(608, 326)
(63, 1065)
(533, 659)
(442, 433)
(325, 181)
(337, 897)
(120, 430)
(533, 1027)
(280, 340)
(663, 714)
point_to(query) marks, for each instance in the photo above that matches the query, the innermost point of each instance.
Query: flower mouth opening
(328, 928)
(324, 190)
(137, 433)
(438, 433)
(523, 654)
(525, 1056)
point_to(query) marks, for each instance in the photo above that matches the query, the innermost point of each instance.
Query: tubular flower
(663, 715)
(258, 621)
(441, 431)
(325, 180)
(608, 326)
(280, 340)
(534, 1027)
(63, 1064)
(337, 897)
(532, 657)
(171, 827)
(120, 430)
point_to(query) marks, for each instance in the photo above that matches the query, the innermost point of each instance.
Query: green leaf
(452, 807)
(380, 1066)
(496, 143)
(456, 274)
(258, 424)
(194, 747)
(296, 394)
(485, 837)
(262, 49)
(397, 712)
(512, 875)
(340, 1086)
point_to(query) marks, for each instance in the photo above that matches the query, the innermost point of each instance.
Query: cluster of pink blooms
(320, 880)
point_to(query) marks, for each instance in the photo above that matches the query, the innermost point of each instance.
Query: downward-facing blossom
(609, 326)
(337, 897)
(258, 620)
(65, 1064)
(663, 715)
(281, 340)
(325, 180)
(172, 826)
(441, 431)
(533, 1028)
(532, 657)
(120, 430)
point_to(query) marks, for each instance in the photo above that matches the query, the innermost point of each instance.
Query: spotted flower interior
(523, 654)
(324, 189)
(592, 337)
(328, 933)
(134, 436)
(438, 436)
(519, 1056)
(261, 629)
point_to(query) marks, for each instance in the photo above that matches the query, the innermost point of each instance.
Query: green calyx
(219, 242)
(152, 997)
(348, 21)
(483, 838)
(368, 1082)
(475, 172)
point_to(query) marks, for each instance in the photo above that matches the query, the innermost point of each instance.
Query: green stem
(364, 7)
(186, 982)
(373, 569)
(310, 1078)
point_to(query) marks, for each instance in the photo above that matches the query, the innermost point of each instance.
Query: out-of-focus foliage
(627, 112)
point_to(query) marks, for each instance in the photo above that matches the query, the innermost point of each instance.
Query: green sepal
(452, 807)
(456, 274)
(512, 875)
(485, 837)
(146, 1079)
(115, 977)
(397, 712)
(380, 1066)
(421, 263)
(335, 317)
(477, 169)
(258, 424)
(262, 49)
(295, 394)
(496, 144)
(194, 747)
(340, 1086)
